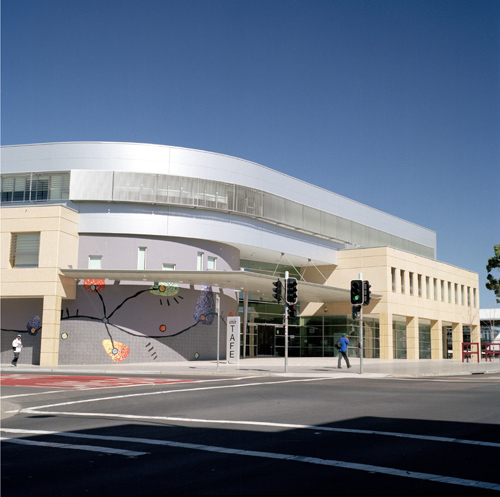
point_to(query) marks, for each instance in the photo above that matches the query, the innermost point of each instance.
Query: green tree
(494, 263)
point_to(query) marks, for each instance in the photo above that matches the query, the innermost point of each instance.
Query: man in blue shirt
(343, 351)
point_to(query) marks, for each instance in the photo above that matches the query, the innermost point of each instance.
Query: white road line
(268, 424)
(179, 390)
(89, 448)
(297, 458)
(30, 394)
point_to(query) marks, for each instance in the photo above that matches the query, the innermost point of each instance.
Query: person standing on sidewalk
(344, 341)
(17, 345)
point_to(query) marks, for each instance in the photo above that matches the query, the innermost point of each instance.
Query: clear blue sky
(393, 103)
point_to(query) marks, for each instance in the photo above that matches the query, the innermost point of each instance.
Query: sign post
(217, 310)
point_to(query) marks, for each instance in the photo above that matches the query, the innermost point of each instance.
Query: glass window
(24, 249)
(411, 283)
(393, 275)
(420, 285)
(399, 339)
(35, 187)
(403, 288)
(435, 289)
(424, 340)
(211, 263)
(95, 261)
(442, 291)
(456, 293)
(168, 267)
(199, 261)
(39, 188)
(141, 258)
(449, 292)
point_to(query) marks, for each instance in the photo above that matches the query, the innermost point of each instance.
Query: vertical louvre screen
(24, 249)
(59, 186)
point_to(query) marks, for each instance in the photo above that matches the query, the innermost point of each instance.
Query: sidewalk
(275, 366)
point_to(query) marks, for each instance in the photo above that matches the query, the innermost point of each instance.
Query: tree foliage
(494, 263)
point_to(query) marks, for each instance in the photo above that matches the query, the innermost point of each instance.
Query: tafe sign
(233, 339)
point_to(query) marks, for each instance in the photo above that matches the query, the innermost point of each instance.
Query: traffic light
(366, 293)
(356, 309)
(277, 290)
(291, 291)
(292, 311)
(356, 292)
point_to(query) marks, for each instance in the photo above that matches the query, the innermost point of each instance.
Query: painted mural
(135, 322)
(33, 326)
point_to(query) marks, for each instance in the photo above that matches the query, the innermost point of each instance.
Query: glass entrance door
(265, 337)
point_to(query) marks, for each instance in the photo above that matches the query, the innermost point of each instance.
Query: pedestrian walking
(17, 345)
(344, 342)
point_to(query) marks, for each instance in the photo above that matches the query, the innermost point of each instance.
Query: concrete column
(412, 350)
(436, 339)
(475, 333)
(386, 344)
(51, 321)
(456, 332)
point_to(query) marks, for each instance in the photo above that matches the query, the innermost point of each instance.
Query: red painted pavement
(79, 382)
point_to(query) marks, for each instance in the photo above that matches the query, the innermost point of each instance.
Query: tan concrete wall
(375, 266)
(58, 227)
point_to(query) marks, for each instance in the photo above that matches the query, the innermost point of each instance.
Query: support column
(475, 333)
(412, 350)
(386, 344)
(456, 336)
(436, 339)
(51, 322)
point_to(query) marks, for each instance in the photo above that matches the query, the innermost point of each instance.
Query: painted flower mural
(204, 311)
(33, 325)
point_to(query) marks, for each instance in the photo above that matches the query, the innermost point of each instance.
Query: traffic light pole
(361, 335)
(286, 323)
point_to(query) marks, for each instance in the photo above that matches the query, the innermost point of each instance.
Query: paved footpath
(294, 366)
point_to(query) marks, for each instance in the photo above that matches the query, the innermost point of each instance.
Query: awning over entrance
(257, 285)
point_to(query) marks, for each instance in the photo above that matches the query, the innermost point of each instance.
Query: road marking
(82, 382)
(114, 386)
(452, 380)
(180, 390)
(29, 394)
(287, 457)
(89, 448)
(268, 424)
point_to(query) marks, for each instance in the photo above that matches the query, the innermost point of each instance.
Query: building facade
(134, 252)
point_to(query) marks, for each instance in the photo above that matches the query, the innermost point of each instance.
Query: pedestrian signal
(356, 309)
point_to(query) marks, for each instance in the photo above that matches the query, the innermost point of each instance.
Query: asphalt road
(257, 435)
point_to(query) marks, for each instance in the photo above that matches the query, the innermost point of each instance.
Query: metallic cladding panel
(207, 167)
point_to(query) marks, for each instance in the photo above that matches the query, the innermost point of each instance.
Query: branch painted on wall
(204, 314)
